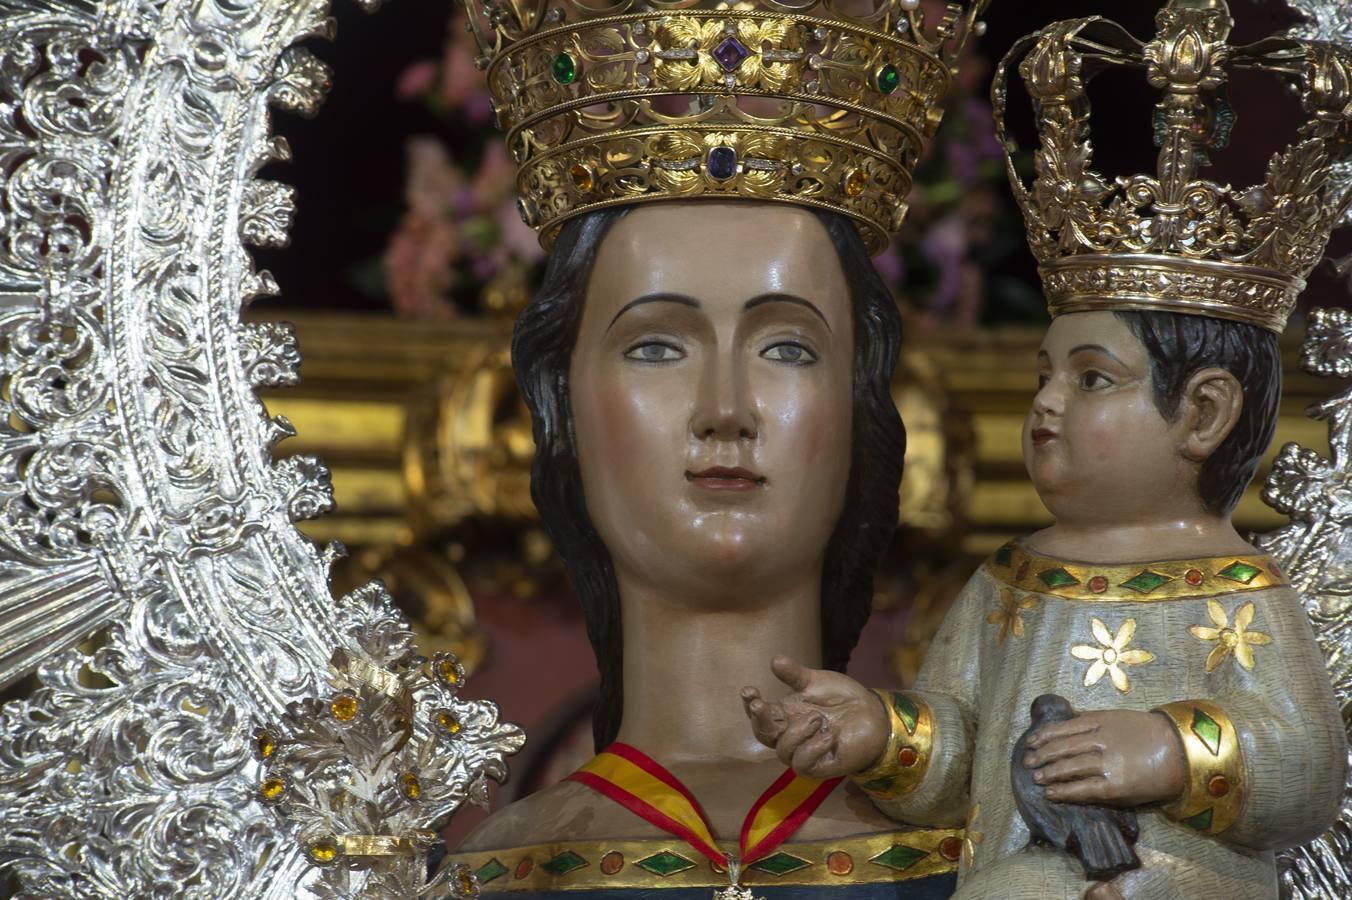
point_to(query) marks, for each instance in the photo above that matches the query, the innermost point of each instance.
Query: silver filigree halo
(140, 500)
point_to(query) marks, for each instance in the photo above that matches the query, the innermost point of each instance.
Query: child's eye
(1092, 380)
(655, 352)
(789, 352)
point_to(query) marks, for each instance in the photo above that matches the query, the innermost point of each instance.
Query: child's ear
(1209, 408)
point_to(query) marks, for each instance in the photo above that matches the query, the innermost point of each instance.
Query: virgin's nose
(725, 409)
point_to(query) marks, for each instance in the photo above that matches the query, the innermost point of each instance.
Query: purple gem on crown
(730, 54)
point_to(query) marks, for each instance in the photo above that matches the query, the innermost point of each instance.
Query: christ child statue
(1204, 702)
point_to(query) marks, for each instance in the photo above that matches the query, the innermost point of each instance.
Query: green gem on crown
(564, 69)
(888, 79)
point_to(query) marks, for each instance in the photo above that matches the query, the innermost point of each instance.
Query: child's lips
(1042, 436)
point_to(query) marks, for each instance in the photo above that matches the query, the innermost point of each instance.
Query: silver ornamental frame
(139, 499)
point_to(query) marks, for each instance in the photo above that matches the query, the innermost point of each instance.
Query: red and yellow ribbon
(643, 786)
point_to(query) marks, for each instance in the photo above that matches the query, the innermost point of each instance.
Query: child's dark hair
(1180, 346)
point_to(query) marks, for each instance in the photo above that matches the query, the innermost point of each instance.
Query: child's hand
(830, 726)
(1117, 757)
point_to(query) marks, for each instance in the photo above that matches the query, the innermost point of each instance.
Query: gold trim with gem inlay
(1142, 582)
(910, 745)
(1214, 789)
(842, 862)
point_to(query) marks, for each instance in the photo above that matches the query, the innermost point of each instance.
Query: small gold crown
(1174, 241)
(823, 103)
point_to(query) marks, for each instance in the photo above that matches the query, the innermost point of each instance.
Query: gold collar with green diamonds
(602, 865)
(1173, 579)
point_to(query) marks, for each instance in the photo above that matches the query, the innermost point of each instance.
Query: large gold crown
(1172, 240)
(824, 103)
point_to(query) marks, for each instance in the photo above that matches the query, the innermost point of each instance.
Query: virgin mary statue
(717, 451)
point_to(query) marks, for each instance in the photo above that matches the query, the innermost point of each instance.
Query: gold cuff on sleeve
(909, 748)
(1213, 793)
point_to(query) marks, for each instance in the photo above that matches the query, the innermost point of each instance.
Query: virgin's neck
(685, 666)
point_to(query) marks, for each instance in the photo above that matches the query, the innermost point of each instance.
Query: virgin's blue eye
(790, 352)
(654, 352)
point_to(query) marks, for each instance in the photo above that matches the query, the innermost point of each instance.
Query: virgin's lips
(722, 478)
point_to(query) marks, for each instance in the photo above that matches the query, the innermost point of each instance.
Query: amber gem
(582, 177)
(467, 883)
(265, 744)
(612, 862)
(271, 789)
(411, 786)
(344, 707)
(447, 671)
(908, 757)
(854, 183)
(448, 722)
(1218, 786)
(323, 851)
(839, 863)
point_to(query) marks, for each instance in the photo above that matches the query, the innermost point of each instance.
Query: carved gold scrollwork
(468, 446)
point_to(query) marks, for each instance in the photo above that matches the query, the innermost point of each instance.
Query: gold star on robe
(1234, 639)
(1009, 615)
(1111, 654)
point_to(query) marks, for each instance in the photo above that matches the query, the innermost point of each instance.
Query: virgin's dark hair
(542, 347)
(1182, 345)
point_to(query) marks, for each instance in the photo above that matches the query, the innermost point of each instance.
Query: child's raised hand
(830, 726)
(1116, 757)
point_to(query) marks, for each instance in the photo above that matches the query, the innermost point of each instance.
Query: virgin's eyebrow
(659, 297)
(762, 299)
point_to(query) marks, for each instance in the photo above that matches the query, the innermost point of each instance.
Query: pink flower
(433, 180)
(463, 86)
(416, 80)
(496, 178)
(516, 237)
(418, 266)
